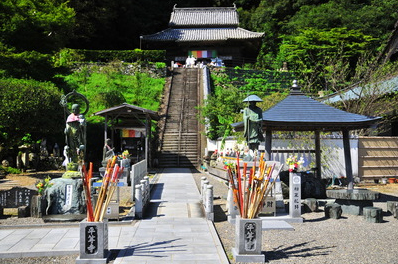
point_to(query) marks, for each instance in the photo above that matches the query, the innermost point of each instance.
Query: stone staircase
(179, 145)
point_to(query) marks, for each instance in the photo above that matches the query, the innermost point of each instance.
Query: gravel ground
(349, 239)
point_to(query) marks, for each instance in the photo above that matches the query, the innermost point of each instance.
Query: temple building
(206, 33)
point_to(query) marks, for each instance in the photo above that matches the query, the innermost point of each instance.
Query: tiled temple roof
(204, 17)
(202, 34)
(298, 112)
(203, 24)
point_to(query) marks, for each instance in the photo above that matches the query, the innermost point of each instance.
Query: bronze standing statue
(252, 118)
(75, 130)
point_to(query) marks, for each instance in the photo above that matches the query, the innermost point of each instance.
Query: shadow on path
(299, 250)
(159, 249)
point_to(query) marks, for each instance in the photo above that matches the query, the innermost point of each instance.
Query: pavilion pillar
(106, 130)
(268, 144)
(347, 158)
(147, 137)
(318, 154)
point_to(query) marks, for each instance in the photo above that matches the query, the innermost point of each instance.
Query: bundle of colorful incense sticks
(86, 177)
(250, 191)
(109, 184)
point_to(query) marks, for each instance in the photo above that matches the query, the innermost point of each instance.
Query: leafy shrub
(27, 64)
(123, 55)
(10, 170)
(28, 107)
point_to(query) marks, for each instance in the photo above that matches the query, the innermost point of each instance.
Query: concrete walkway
(172, 231)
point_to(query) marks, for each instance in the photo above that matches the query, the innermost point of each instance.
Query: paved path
(173, 231)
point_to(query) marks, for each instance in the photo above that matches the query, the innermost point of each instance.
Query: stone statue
(75, 132)
(252, 118)
(108, 152)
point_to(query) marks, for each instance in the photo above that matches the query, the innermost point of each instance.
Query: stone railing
(137, 173)
(207, 198)
(142, 196)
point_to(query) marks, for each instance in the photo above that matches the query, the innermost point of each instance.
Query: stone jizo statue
(75, 132)
(252, 118)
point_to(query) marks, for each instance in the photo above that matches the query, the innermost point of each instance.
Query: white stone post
(133, 183)
(232, 207)
(203, 193)
(147, 188)
(294, 195)
(143, 191)
(209, 203)
(138, 201)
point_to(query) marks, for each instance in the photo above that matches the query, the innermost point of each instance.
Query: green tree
(28, 107)
(308, 52)
(27, 25)
(108, 86)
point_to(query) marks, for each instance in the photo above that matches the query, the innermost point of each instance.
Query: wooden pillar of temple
(347, 158)
(318, 163)
(268, 144)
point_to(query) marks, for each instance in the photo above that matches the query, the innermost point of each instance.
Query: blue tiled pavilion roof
(298, 112)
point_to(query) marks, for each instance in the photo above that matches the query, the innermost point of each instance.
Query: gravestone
(16, 197)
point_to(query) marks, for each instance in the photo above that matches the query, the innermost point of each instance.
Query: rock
(65, 196)
(311, 187)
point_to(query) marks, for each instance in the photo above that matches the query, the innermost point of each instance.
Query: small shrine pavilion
(298, 112)
(134, 126)
(206, 33)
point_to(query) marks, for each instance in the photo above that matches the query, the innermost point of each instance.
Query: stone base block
(248, 236)
(392, 207)
(353, 207)
(210, 216)
(91, 261)
(373, 214)
(93, 241)
(257, 258)
(311, 205)
(231, 219)
(333, 211)
(23, 211)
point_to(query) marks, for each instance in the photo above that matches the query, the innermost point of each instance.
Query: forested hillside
(327, 45)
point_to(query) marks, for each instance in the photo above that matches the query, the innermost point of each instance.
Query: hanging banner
(203, 53)
(128, 133)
